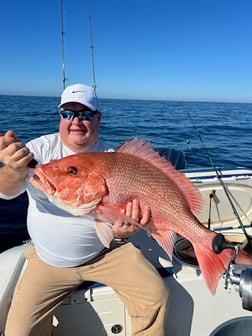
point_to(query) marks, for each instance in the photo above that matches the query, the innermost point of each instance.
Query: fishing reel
(238, 275)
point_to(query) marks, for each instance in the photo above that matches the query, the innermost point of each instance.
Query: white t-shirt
(60, 238)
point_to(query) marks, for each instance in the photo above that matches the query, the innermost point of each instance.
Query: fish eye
(72, 170)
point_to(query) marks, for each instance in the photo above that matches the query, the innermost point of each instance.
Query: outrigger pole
(64, 79)
(91, 45)
(63, 45)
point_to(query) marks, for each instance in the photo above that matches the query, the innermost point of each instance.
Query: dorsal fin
(143, 149)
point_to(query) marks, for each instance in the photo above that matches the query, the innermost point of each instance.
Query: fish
(102, 183)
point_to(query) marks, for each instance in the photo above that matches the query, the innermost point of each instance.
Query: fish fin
(113, 214)
(144, 150)
(104, 232)
(212, 265)
(110, 213)
(166, 242)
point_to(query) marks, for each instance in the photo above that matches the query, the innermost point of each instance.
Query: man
(66, 250)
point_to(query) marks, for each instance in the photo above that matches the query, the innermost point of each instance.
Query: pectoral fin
(104, 232)
(113, 215)
(165, 241)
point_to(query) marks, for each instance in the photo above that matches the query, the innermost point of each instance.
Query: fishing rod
(91, 45)
(64, 78)
(63, 45)
(218, 174)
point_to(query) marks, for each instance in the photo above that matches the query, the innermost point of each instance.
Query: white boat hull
(193, 310)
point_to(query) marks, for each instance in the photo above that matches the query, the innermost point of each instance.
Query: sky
(194, 50)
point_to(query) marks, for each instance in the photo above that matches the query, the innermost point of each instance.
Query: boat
(95, 310)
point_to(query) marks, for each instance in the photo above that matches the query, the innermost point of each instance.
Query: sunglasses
(82, 115)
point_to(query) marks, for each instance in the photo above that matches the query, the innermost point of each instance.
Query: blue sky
(162, 49)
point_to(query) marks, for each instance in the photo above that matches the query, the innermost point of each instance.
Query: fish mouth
(42, 183)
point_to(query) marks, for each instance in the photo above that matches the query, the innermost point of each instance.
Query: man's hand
(133, 210)
(13, 152)
(15, 156)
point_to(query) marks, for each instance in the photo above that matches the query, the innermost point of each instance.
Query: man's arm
(11, 182)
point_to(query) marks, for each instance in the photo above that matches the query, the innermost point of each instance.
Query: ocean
(221, 131)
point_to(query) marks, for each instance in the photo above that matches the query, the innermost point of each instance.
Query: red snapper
(105, 182)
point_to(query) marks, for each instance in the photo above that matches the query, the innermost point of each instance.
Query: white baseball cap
(80, 93)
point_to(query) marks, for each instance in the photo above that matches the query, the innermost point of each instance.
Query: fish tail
(212, 265)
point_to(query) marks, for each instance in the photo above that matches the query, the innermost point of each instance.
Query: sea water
(204, 131)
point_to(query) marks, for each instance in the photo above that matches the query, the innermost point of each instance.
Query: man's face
(79, 135)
